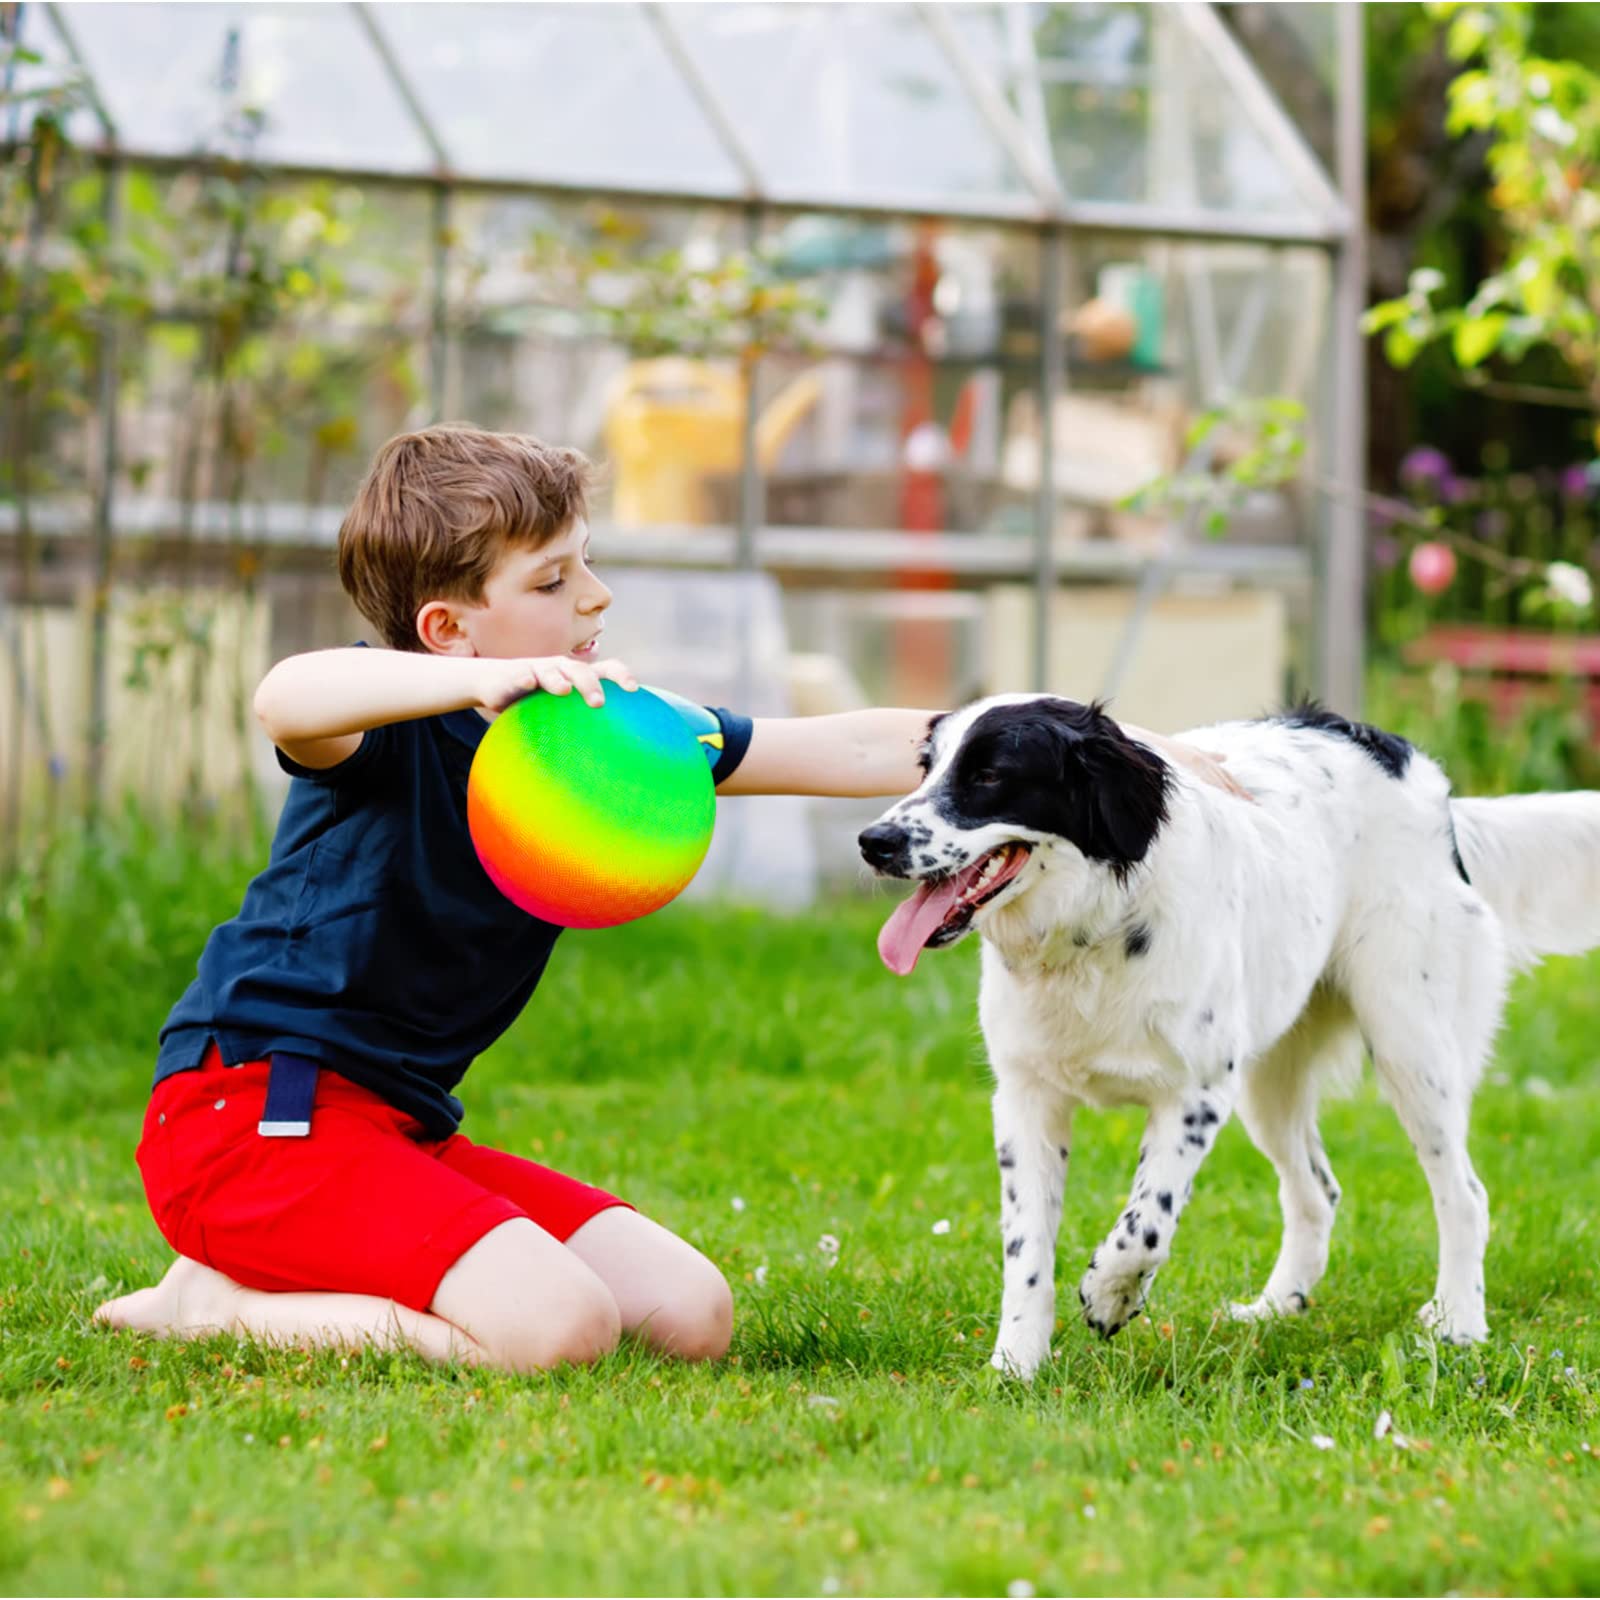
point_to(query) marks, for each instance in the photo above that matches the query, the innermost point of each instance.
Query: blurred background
(1195, 356)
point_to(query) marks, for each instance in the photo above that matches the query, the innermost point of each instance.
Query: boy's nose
(598, 599)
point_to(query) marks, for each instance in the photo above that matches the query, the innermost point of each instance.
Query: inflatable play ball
(587, 816)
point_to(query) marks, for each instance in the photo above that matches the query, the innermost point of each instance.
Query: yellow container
(673, 424)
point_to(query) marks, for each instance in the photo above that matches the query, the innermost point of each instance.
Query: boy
(300, 1150)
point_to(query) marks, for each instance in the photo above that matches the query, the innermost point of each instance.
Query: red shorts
(366, 1203)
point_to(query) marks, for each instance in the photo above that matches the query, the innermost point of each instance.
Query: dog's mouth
(942, 908)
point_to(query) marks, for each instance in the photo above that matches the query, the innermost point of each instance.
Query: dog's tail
(1536, 859)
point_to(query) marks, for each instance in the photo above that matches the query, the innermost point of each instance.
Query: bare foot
(191, 1299)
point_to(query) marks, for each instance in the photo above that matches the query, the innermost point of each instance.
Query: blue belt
(291, 1089)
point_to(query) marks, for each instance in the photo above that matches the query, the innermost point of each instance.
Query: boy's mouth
(587, 652)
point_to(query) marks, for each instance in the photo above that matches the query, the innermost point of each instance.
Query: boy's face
(544, 602)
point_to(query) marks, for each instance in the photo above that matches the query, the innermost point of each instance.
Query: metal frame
(1261, 106)
(1340, 609)
(711, 107)
(1080, 216)
(1328, 223)
(1052, 371)
(401, 82)
(1031, 162)
(866, 552)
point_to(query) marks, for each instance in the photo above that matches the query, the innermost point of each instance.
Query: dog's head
(1008, 781)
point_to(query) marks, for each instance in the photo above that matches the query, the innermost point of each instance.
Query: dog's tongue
(915, 921)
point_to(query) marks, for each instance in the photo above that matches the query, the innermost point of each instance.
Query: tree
(1541, 117)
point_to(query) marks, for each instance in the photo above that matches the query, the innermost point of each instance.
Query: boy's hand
(1205, 765)
(505, 682)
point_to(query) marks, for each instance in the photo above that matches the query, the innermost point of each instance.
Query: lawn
(763, 1086)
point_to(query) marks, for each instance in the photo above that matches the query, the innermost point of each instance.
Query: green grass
(856, 1440)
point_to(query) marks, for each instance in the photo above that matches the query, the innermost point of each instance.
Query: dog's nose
(883, 843)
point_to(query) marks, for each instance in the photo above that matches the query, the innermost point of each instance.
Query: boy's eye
(550, 588)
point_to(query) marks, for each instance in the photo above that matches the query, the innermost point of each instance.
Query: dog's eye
(985, 778)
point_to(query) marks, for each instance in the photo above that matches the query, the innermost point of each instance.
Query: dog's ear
(1117, 788)
(1127, 793)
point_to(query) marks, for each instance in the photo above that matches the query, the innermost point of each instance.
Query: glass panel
(1158, 334)
(849, 102)
(28, 83)
(892, 413)
(565, 325)
(290, 410)
(287, 83)
(569, 93)
(1131, 105)
(1205, 150)
(877, 645)
(1296, 51)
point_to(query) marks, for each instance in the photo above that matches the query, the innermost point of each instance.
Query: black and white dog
(1149, 938)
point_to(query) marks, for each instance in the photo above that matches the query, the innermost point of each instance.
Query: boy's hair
(437, 509)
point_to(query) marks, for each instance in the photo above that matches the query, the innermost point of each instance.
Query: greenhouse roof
(1128, 117)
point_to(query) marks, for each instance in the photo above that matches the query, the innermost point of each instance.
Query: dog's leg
(1433, 1111)
(1428, 1043)
(1177, 1138)
(1308, 1194)
(1432, 1105)
(1279, 1109)
(1032, 1129)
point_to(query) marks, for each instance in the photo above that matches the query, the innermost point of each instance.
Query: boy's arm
(873, 753)
(315, 707)
(862, 753)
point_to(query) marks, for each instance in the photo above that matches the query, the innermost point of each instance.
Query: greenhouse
(925, 350)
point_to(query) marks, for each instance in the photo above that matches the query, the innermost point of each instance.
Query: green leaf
(1473, 103)
(1476, 338)
(1393, 1361)
(1468, 33)
(1520, 334)
(1400, 346)
(1537, 278)
(1384, 315)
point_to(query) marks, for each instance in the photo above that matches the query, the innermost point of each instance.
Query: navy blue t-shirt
(374, 942)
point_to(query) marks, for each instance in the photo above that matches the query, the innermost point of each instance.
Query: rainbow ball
(587, 816)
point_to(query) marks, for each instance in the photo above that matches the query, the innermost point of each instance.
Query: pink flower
(1432, 566)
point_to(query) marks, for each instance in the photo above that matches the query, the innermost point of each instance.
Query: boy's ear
(440, 630)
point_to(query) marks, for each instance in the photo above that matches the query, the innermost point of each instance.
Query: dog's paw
(1266, 1306)
(1019, 1357)
(1454, 1326)
(1111, 1303)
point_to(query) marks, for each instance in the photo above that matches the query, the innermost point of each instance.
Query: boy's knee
(527, 1304)
(697, 1323)
(588, 1328)
(578, 1324)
